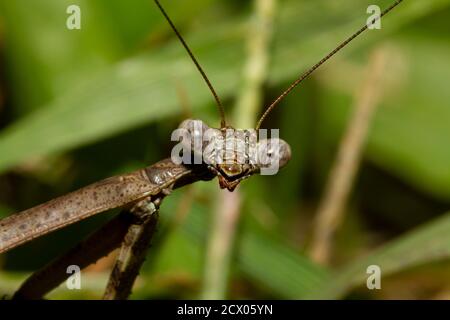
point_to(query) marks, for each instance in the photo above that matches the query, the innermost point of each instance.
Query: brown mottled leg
(94, 247)
(133, 250)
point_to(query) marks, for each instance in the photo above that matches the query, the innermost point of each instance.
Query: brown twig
(346, 164)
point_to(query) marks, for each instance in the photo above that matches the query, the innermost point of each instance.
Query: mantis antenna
(317, 65)
(223, 123)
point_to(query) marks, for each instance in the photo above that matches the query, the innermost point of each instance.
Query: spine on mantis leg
(107, 194)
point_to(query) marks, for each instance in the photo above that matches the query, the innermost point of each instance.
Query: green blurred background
(77, 106)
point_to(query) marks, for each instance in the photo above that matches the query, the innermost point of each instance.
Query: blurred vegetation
(77, 106)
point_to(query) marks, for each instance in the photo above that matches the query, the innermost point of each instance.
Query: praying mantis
(140, 193)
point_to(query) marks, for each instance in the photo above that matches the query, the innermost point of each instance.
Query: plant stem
(226, 218)
(331, 208)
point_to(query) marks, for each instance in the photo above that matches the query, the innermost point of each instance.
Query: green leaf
(277, 266)
(179, 256)
(142, 89)
(429, 243)
(268, 261)
(43, 57)
(410, 130)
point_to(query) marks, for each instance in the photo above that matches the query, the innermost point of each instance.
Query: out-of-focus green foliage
(428, 244)
(80, 105)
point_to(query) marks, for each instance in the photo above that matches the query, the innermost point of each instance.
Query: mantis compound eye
(197, 135)
(196, 142)
(273, 153)
(194, 131)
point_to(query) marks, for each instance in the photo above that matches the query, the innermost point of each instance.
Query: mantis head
(233, 155)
